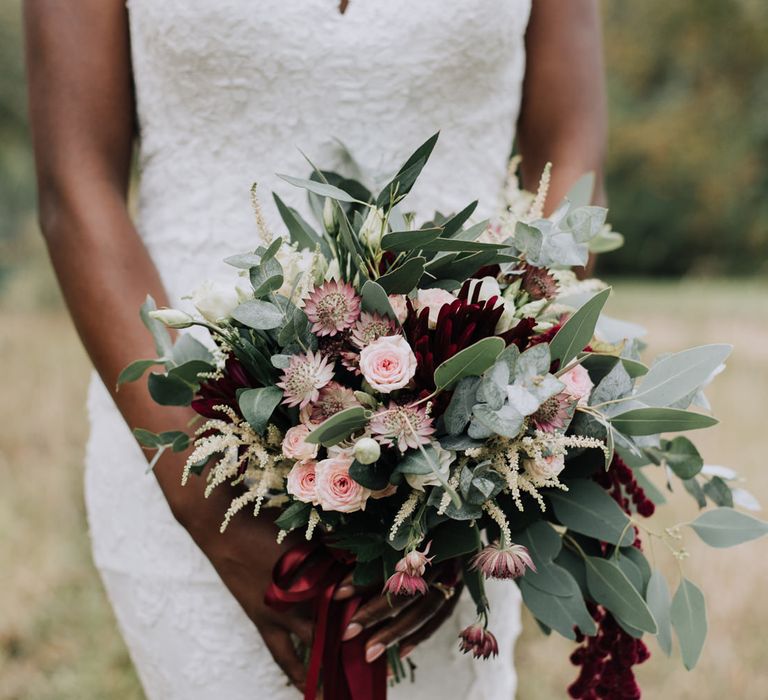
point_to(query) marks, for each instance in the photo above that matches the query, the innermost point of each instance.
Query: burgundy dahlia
(223, 391)
(459, 325)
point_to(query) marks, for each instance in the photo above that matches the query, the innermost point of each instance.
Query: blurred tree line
(686, 174)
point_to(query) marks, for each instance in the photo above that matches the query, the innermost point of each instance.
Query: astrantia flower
(304, 377)
(539, 283)
(332, 398)
(408, 426)
(509, 562)
(555, 413)
(479, 641)
(408, 578)
(370, 327)
(332, 307)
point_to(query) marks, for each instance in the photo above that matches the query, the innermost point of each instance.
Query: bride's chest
(248, 40)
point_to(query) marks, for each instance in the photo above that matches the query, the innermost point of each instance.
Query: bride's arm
(563, 113)
(81, 106)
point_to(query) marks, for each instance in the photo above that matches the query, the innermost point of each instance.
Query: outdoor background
(688, 186)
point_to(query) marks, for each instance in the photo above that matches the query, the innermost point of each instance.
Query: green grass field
(58, 639)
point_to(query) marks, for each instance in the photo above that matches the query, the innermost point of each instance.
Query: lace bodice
(227, 92)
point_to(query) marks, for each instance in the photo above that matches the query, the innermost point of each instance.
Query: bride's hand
(407, 620)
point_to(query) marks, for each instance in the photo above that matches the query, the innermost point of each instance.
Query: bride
(218, 94)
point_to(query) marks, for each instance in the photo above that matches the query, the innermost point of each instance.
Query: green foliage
(726, 527)
(689, 619)
(687, 98)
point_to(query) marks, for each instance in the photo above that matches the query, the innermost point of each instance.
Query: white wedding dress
(228, 91)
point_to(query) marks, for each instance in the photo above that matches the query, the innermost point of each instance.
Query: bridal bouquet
(409, 394)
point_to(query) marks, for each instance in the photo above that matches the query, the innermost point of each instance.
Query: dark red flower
(223, 391)
(459, 325)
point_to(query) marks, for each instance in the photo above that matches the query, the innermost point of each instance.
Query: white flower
(367, 450)
(444, 459)
(488, 287)
(172, 318)
(373, 228)
(330, 219)
(507, 318)
(215, 301)
(434, 300)
(295, 263)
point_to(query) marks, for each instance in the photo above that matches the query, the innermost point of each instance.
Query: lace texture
(227, 92)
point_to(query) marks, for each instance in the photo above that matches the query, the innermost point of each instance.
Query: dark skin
(82, 114)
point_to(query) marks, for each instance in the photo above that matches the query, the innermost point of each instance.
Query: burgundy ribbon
(311, 573)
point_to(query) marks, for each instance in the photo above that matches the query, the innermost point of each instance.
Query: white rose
(434, 300)
(444, 459)
(215, 301)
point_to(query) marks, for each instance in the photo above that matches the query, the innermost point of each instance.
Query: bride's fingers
(376, 610)
(404, 625)
(302, 627)
(281, 647)
(346, 588)
(409, 643)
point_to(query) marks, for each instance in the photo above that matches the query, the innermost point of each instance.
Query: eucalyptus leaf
(471, 361)
(651, 421)
(375, 300)
(338, 427)
(577, 331)
(459, 410)
(726, 527)
(610, 587)
(405, 178)
(321, 188)
(507, 421)
(677, 375)
(404, 241)
(403, 279)
(689, 619)
(660, 601)
(169, 390)
(258, 405)
(135, 371)
(160, 334)
(588, 509)
(259, 314)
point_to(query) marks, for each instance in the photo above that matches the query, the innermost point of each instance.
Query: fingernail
(374, 652)
(352, 630)
(343, 592)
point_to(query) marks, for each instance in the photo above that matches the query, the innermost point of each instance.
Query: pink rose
(549, 469)
(397, 302)
(302, 482)
(294, 446)
(388, 363)
(336, 489)
(434, 300)
(578, 384)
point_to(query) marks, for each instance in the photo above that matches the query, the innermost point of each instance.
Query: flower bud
(330, 217)
(367, 450)
(172, 318)
(373, 228)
